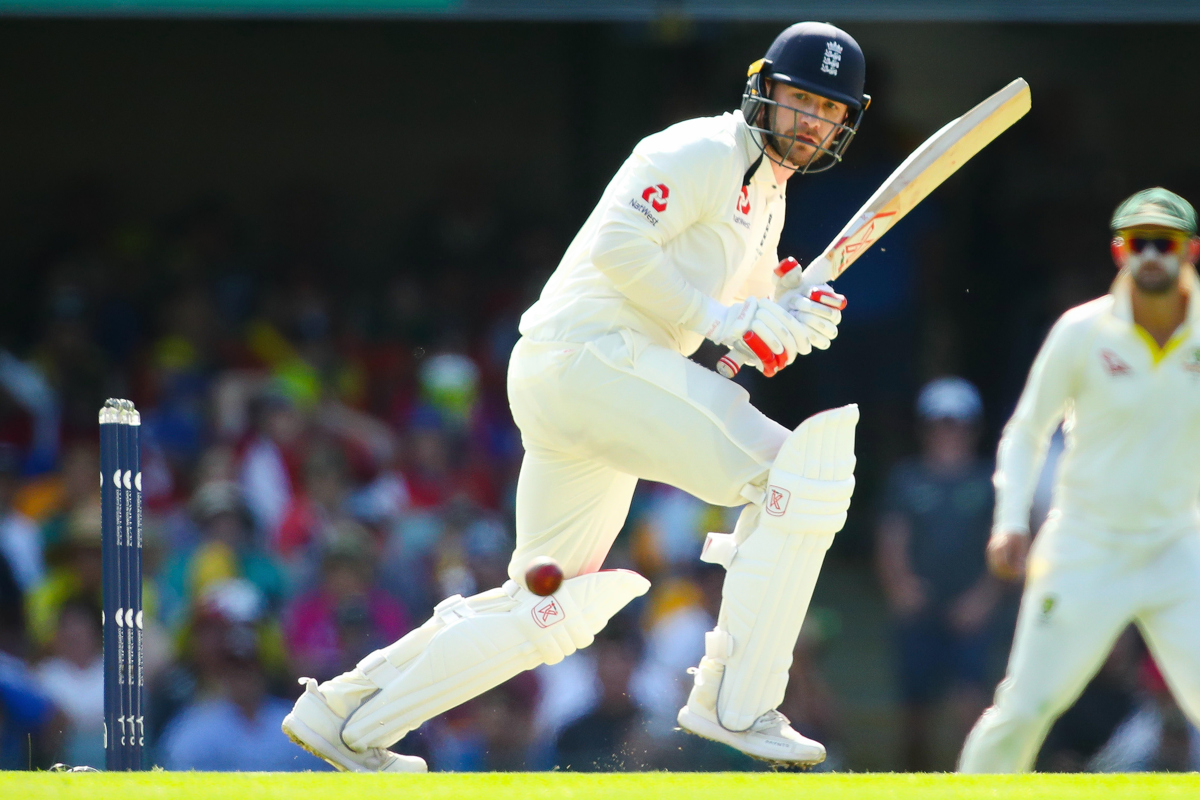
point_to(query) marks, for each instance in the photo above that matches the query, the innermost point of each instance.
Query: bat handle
(731, 363)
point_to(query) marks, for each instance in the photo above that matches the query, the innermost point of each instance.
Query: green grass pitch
(568, 786)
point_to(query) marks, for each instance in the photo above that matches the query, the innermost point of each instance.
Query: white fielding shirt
(1131, 419)
(686, 224)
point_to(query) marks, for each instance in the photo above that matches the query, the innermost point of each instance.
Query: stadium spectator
(28, 718)
(12, 613)
(439, 471)
(491, 732)
(227, 549)
(76, 571)
(318, 503)
(930, 556)
(505, 718)
(679, 612)
(610, 737)
(73, 678)
(73, 366)
(271, 459)
(346, 616)
(50, 499)
(19, 540)
(24, 386)
(237, 728)
(194, 670)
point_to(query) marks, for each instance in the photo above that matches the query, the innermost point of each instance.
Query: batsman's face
(1154, 255)
(812, 120)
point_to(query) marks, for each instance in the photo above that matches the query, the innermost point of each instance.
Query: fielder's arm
(1026, 437)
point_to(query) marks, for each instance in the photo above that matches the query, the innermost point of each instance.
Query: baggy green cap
(1156, 206)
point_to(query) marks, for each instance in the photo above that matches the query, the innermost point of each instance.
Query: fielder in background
(681, 247)
(1122, 541)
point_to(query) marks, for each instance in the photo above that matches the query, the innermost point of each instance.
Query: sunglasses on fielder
(1163, 243)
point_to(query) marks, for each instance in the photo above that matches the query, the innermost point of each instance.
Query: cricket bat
(924, 170)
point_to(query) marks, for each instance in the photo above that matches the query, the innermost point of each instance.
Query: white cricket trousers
(1085, 586)
(596, 416)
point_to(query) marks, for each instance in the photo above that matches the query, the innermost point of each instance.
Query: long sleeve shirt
(1131, 420)
(690, 223)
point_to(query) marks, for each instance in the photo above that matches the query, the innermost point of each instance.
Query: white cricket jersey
(1131, 419)
(690, 220)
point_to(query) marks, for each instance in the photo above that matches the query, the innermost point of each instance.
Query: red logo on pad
(548, 612)
(655, 192)
(777, 501)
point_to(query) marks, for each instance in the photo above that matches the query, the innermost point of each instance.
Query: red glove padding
(771, 362)
(786, 266)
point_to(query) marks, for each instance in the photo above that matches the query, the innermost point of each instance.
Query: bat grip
(731, 363)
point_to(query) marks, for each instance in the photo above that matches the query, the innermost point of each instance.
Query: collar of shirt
(757, 164)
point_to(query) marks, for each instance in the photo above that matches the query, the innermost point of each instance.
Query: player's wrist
(709, 319)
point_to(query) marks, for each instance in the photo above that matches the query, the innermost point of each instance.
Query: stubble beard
(1156, 282)
(795, 158)
(781, 143)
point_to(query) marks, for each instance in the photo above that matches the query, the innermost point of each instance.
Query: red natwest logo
(743, 205)
(548, 612)
(777, 501)
(660, 191)
(1114, 364)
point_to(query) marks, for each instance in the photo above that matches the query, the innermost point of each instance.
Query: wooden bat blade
(924, 170)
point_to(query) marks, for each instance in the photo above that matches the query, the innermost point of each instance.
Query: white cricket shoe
(770, 738)
(318, 729)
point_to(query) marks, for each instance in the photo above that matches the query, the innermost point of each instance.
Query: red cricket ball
(543, 576)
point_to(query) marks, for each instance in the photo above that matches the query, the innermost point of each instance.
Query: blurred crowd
(328, 453)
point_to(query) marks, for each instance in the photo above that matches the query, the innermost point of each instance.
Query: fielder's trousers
(1084, 586)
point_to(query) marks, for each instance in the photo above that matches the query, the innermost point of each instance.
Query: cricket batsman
(1122, 541)
(680, 248)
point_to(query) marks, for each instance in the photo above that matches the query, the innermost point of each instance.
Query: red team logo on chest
(1193, 365)
(548, 612)
(777, 501)
(743, 205)
(655, 192)
(1113, 363)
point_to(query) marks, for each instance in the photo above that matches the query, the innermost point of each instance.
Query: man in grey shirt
(930, 555)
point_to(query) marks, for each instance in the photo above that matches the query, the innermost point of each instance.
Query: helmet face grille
(758, 110)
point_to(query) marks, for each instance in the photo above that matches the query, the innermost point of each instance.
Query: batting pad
(473, 644)
(772, 572)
